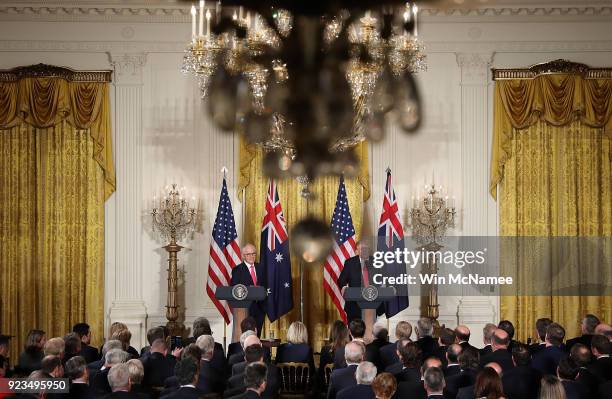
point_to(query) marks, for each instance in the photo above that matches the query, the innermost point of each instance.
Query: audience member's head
(447, 337)
(194, 351)
(508, 327)
(580, 354)
(124, 336)
(72, 344)
(253, 353)
(424, 327)
(384, 386)
(54, 347)
(600, 345)
(403, 330)
(187, 371)
(245, 335)
(567, 369)
(339, 335)
(201, 326)
(469, 359)
(380, 332)
(541, 327)
(35, 341)
(136, 371)
(247, 324)
(462, 333)
(119, 378)
(521, 355)
(496, 367)
(365, 374)
(52, 365)
(605, 330)
(255, 376)
(589, 324)
(551, 388)
(430, 362)
(115, 356)
(433, 381)
(76, 369)
(297, 333)
(500, 340)
(357, 328)
(252, 340)
(452, 353)
(155, 333)
(487, 333)
(115, 327)
(410, 355)
(488, 384)
(354, 352)
(83, 331)
(555, 334)
(206, 343)
(159, 346)
(111, 344)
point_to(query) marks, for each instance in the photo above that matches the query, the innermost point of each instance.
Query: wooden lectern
(240, 297)
(369, 299)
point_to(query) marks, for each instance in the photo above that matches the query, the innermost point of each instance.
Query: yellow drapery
(552, 156)
(56, 173)
(319, 311)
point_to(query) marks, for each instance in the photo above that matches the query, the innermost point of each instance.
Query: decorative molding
(553, 67)
(128, 67)
(52, 71)
(474, 67)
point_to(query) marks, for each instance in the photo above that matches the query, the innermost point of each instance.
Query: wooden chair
(295, 380)
(327, 375)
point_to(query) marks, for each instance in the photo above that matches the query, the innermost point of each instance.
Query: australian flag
(274, 256)
(390, 238)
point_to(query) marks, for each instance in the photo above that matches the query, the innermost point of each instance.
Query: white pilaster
(475, 311)
(128, 306)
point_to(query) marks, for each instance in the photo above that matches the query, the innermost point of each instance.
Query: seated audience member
(522, 381)
(411, 359)
(248, 324)
(99, 382)
(508, 327)
(172, 384)
(384, 386)
(119, 382)
(605, 330)
(587, 327)
(487, 334)
(31, 357)
(72, 347)
(345, 377)
(415, 389)
(396, 368)
(136, 370)
(357, 332)
(541, 326)
(98, 365)
(296, 349)
(499, 354)
(187, 373)
(388, 354)
(55, 347)
(78, 373)
(602, 365)
(338, 337)
(89, 353)
(488, 384)
(364, 376)
(462, 334)
(201, 326)
(51, 367)
(255, 381)
(469, 392)
(551, 388)
(125, 336)
(158, 366)
(452, 359)
(152, 334)
(239, 356)
(548, 358)
(567, 371)
(381, 339)
(238, 368)
(211, 378)
(581, 355)
(255, 354)
(433, 382)
(469, 361)
(447, 338)
(425, 341)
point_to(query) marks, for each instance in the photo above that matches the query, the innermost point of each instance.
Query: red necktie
(253, 276)
(365, 275)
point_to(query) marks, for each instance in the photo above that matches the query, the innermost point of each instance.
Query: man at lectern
(357, 272)
(251, 273)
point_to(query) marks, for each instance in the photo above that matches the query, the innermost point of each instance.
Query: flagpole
(301, 292)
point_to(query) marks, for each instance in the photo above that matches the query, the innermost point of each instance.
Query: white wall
(162, 134)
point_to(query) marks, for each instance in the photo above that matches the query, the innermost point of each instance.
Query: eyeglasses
(250, 254)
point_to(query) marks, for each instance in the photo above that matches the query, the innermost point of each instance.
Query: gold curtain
(552, 159)
(56, 173)
(319, 311)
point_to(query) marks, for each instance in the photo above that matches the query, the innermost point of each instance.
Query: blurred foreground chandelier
(307, 80)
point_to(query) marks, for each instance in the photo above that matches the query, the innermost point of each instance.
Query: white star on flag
(269, 291)
(279, 257)
(286, 285)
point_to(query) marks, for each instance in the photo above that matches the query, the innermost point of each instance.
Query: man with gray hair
(99, 382)
(587, 327)
(119, 381)
(426, 342)
(345, 377)
(364, 375)
(76, 370)
(487, 333)
(239, 357)
(433, 381)
(211, 378)
(98, 365)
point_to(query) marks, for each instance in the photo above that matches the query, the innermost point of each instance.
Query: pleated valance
(44, 96)
(556, 98)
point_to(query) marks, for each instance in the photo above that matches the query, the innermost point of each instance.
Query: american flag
(224, 252)
(390, 238)
(344, 248)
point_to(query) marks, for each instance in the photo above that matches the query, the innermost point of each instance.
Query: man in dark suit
(508, 327)
(500, 354)
(447, 338)
(388, 354)
(589, 323)
(211, 377)
(201, 326)
(469, 362)
(251, 273)
(119, 382)
(433, 381)
(581, 355)
(248, 323)
(256, 381)
(397, 367)
(99, 382)
(356, 272)
(522, 381)
(468, 392)
(255, 354)
(98, 365)
(462, 334)
(410, 361)
(357, 329)
(487, 334)
(541, 326)
(364, 375)
(76, 370)
(452, 358)
(426, 342)
(415, 389)
(158, 366)
(89, 353)
(251, 339)
(567, 371)
(602, 365)
(187, 373)
(548, 358)
(345, 377)
(381, 339)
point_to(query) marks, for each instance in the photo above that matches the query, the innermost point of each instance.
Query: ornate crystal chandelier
(307, 80)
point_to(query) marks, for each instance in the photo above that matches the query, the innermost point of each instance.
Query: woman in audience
(124, 336)
(30, 359)
(551, 388)
(338, 337)
(384, 386)
(488, 385)
(296, 349)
